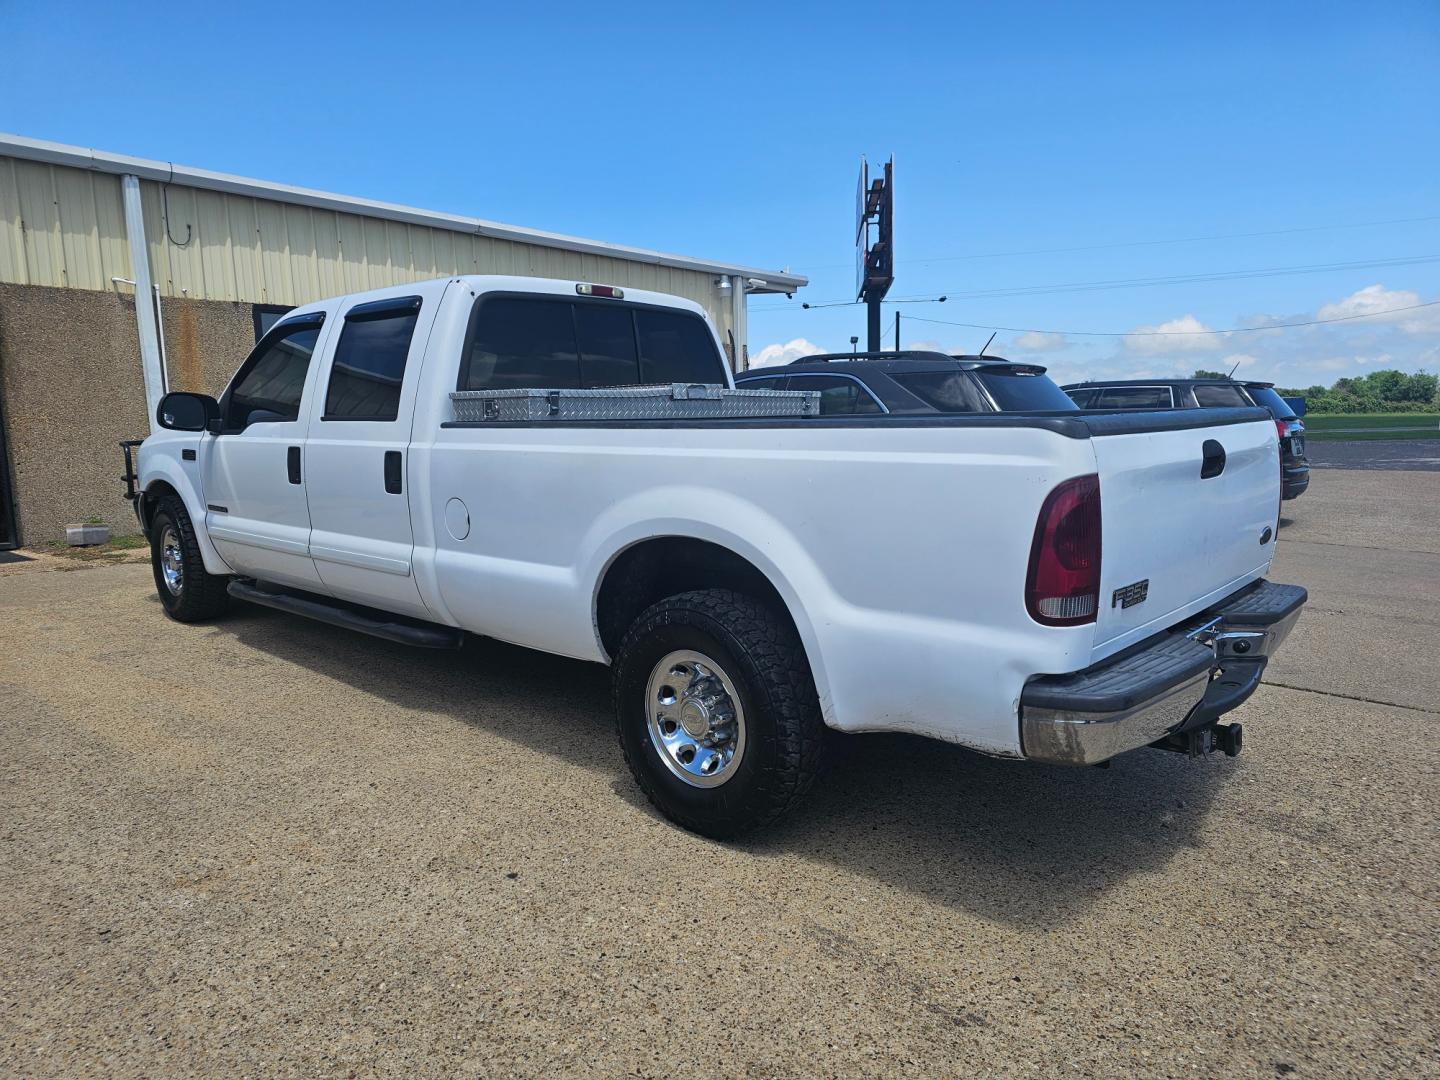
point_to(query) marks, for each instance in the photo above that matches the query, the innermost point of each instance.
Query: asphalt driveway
(268, 848)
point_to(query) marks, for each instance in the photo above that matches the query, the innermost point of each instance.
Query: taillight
(1282, 428)
(1063, 585)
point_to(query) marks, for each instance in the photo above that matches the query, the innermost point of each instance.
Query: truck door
(358, 449)
(252, 473)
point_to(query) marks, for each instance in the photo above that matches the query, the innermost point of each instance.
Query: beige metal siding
(63, 226)
(58, 226)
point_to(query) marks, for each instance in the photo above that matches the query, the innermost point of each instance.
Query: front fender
(158, 465)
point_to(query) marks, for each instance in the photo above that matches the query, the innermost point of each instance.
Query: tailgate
(1173, 541)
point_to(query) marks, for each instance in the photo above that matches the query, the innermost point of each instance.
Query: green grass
(113, 548)
(1390, 435)
(1329, 422)
(1333, 427)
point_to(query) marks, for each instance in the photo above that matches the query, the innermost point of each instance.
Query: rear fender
(711, 515)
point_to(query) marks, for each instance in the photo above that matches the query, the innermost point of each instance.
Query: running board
(337, 613)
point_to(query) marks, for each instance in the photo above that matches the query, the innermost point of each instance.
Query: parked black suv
(1147, 394)
(853, 384)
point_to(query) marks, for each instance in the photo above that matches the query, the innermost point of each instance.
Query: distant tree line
(1379, 391)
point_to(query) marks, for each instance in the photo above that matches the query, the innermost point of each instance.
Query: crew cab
(751, 580)
(1148, 394)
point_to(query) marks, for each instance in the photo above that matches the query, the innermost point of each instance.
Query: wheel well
(665, 566)
(151, 497)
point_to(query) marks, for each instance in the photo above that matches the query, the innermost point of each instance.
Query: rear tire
(188, 593)
(716, 711)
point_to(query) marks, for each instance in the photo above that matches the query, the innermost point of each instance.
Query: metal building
(122, 277)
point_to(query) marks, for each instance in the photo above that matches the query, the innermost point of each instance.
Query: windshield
(1266, 397)
(1020, 391)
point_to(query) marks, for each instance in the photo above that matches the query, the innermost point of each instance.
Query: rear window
(1267, 398)
(521, 343)
(1220, 397)
(556, 343)
(676, 347)
(1020, 391)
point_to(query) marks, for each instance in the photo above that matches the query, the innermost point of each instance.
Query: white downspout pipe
(738, 322)
(150, 362)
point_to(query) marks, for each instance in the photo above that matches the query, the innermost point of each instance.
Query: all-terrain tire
(761, 654)
(199, 595)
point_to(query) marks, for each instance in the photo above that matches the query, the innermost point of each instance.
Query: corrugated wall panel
(12, 242)
(213, 235)
(330, 262)
(62, 226)
(44, 252)
(304, 259)
(79, 230)
(245, 247)
(276, 279)
(182, 271)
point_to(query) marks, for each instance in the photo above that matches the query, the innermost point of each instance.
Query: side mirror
(180, 411)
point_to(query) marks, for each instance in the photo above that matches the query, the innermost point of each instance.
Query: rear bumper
(1181, 680)
(1294, 479)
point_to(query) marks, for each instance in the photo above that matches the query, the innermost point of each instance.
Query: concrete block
(86, 535)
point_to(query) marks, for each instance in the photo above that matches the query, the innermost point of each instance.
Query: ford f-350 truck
(1060, 586)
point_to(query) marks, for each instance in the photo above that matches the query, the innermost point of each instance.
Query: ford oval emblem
(1265, 536)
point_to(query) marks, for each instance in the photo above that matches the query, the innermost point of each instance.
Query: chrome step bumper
(1179, 681)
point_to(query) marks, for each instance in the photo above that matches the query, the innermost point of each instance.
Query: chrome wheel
(696, 721)
(172, 565)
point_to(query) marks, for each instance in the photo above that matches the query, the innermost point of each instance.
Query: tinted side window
(676, 347)
(607, 346)
(1133, 397)
(1220, 397)
(838, 396)
(369, 363)
(270, 385)
(522, 343)
(945, 391)
(1082, 398)
(771, 382)
(1021, 391)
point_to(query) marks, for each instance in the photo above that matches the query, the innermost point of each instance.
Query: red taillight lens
(1282, 428)
(1063, 586)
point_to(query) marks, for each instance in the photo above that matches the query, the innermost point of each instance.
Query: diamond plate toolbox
(675, 401)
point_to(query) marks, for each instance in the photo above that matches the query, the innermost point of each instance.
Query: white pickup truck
(1054, 586)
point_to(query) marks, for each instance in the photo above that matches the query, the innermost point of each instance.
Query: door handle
(1212, 461)
(292, 464)
(392, 472)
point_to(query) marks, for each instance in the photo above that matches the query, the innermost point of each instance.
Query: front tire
(716, 711)
(188, 593)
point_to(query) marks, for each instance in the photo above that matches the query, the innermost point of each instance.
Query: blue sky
(733, 132)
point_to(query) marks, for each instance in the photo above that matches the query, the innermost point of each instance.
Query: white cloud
(771, 355)
(1038, 341)
(1368, 301)
(1185, 334)
(1375, 300)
